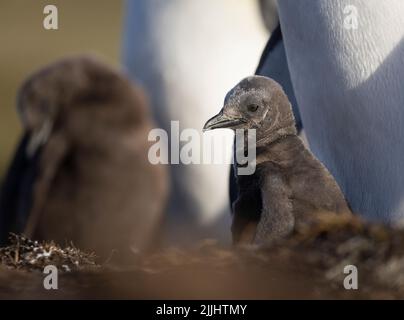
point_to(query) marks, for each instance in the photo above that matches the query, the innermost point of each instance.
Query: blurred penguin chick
(95, 185)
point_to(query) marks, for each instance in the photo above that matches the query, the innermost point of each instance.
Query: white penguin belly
(187, 54)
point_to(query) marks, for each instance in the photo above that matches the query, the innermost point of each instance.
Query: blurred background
(185, 54)
(85, 26)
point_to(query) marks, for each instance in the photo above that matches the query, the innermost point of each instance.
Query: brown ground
(307, 265)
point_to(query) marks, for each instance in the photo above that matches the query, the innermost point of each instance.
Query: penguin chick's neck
(270, 136)
(282, 150)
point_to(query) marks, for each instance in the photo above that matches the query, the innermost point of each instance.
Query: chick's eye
(252, 107)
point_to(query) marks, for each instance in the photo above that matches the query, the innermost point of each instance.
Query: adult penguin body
(343, 63)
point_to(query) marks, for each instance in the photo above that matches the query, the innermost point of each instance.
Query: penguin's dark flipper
(273, 64)
(233, 188)
(16, 191)
(274, 40)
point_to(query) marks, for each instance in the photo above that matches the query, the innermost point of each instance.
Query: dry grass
(27, 255)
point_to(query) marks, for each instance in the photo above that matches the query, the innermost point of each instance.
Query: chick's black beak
(221, 120)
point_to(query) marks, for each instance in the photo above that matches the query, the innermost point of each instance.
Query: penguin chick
(94, 185)
(289, 185)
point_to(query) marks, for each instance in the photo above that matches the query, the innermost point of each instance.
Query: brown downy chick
(289, 185)
(94, 185)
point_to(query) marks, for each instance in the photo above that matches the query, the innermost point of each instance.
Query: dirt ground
(308, 265)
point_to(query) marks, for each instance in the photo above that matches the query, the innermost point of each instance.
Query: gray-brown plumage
(94, 184)
(289, 186)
